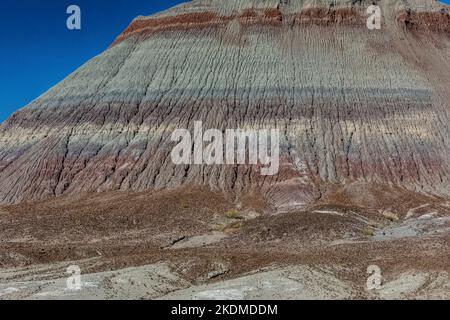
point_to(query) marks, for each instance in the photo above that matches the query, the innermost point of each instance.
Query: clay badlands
(86, 176)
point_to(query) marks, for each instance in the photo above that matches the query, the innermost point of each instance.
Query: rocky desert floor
(198, 244)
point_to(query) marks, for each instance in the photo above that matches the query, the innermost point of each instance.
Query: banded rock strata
(352, 104)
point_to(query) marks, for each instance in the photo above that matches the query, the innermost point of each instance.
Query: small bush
(184, 205)
(233, 228)
(233, 214)
(368, 231)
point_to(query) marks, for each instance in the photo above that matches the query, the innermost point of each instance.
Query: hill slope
(352, 104)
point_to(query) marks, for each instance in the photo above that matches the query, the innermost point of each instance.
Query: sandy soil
(197, 244)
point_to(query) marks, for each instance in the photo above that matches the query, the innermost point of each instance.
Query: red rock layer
(248, 17)
(430, 21)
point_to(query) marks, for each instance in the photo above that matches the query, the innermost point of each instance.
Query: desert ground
(198, 244)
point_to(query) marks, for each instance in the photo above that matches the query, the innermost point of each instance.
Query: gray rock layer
(351, 104)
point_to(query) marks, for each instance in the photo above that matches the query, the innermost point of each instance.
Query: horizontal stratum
(353, 105)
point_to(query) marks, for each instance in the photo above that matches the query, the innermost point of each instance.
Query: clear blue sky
(38, 51)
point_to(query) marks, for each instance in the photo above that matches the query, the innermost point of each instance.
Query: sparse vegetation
(184, 204)
(391, 217)
(232, 228)
(233, 214)
(368, 231)
(373, 225)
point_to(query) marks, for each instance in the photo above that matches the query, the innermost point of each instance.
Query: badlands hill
(351, 104)
(86, 176)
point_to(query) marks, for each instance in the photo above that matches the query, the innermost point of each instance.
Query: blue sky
(38, 50)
